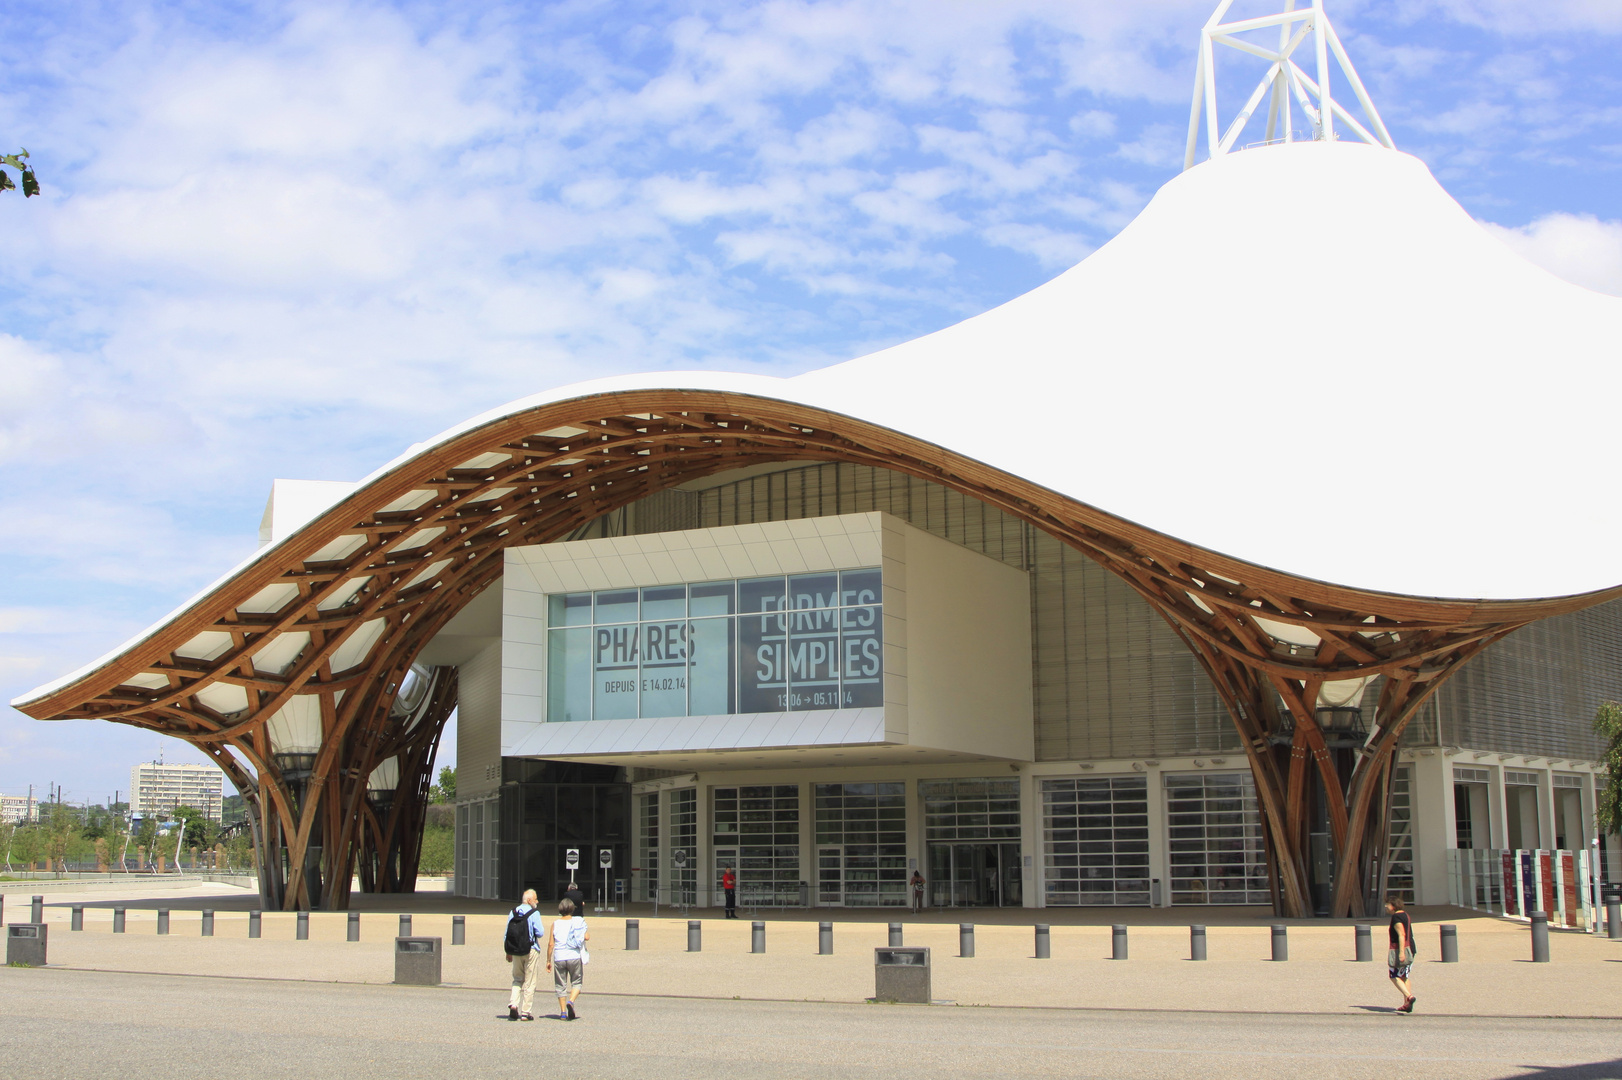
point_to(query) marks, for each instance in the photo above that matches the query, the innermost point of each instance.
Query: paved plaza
(1494, 977)
(72, 1024)
(139, 1004)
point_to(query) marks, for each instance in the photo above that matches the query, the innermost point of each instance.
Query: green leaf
(5, 181)
(30, 184)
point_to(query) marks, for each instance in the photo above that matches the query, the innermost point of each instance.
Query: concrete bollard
(1196, 943)
(208, 923)
(633, 935)
(118, 920)
(1044, 942)
(1450, 943)
(695, 936)
(1613, 914)
(1540, 937)
(1365, 943)
(965, 939)
(1118, 942)
(757, 936)
(163, 920)
(78, 917)
(255, 923)
(895, 935)
(354, 926)
(1281, 942)
(405, 926)
(302, 933)
(825, 939)
(458, 929)
(37, 910)
(2, 909)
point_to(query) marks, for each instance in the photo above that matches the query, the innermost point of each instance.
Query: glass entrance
(975, 875)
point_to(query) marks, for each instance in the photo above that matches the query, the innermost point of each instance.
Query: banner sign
(777, 644)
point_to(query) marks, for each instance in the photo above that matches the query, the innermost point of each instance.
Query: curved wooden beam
(430, 534)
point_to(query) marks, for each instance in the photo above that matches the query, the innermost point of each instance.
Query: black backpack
(518, 942)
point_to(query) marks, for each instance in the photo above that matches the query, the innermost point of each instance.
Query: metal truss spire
(1285, 84)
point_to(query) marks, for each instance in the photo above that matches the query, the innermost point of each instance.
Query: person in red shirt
(729, 883)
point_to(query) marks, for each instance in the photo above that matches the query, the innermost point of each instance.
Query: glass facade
(683, 887)
(1095, 848)
(963, 822)
(1215, 831)
(861, 838)
(757, 833)
(647, 845)
(1400, 835)
(775, 644)
(548, 807)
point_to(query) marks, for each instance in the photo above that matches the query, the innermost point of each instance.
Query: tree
(25, 173)
(438, 848)
(27, 845)
(445, 790)
(61, 828)
(200, 829)
(1608, 726)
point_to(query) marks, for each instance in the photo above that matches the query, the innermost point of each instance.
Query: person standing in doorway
(565, 949)
(575, 896)
(1400, 955)
(729, 885)
(525, 929)
(917, 892)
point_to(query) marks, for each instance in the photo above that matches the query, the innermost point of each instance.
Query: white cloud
(1519, 17)
(1578, 247)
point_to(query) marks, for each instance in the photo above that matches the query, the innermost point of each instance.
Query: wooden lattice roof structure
(1291, 489)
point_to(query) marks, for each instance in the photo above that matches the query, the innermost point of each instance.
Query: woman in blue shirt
(565, 950)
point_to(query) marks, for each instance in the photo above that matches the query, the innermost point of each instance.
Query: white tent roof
(1306, 356)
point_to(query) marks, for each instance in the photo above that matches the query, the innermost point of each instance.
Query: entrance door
(975, 875)
(830, 877)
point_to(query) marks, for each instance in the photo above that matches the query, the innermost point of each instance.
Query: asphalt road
(57, 1023)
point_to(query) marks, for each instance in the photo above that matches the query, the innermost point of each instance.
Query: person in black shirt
(575, 896)
(1400, 956)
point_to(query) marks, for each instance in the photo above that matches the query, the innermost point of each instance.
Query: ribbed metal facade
(1536, 691)
(1111, 680)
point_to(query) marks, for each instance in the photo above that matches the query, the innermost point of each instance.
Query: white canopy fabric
(1304, 356)
(1307, 356)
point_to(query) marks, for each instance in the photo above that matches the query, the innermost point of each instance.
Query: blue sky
(289, 240)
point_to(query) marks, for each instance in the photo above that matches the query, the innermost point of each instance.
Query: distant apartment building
(15, 808)
(156, 788)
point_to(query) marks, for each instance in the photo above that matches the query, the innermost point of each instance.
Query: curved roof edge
(369, 494)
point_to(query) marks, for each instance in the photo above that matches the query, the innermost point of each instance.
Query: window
(970, 809)
(647, 838)
(1399, 876)
(757, 833)
(861, 834)
(1215, 834)
(1096, 840)
(683, 846)
(776, 644)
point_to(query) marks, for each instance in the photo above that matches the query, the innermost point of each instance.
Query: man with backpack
(525, 929)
